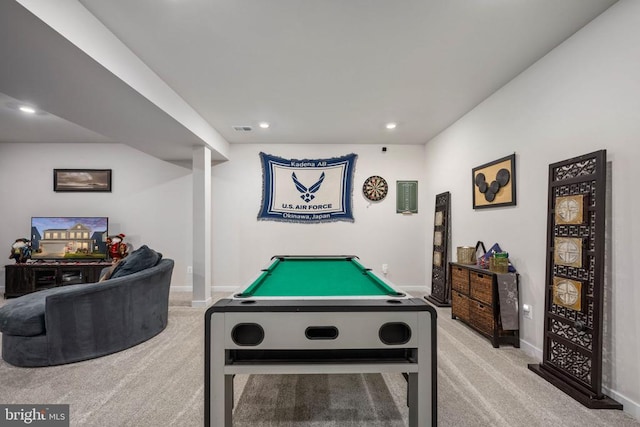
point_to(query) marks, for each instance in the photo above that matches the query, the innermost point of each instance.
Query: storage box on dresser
(475, 301)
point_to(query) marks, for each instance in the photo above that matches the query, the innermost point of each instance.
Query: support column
(201, 227)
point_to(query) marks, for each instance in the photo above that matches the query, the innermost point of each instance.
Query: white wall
(582, 97)
(150, 202)
(242, 244)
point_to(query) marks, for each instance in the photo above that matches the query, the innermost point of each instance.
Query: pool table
(320, 315)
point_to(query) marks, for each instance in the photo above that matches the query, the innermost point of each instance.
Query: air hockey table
(320, 315)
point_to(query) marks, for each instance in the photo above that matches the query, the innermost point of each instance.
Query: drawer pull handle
(321, 332)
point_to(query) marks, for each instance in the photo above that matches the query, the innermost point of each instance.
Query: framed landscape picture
(81, 180)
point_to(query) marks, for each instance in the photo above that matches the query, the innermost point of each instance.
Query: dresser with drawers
(475, 301)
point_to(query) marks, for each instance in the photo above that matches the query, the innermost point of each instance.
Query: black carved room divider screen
(439, 284)
(574, 291)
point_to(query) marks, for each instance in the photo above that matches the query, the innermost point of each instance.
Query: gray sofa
(78, 322)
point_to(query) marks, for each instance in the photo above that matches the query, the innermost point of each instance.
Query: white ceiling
(320, 71)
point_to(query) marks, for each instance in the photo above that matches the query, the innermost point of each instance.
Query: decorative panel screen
(572, 353)
(439, 289)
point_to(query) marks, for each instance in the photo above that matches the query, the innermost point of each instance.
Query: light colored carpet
(362, 400)
(161, 383)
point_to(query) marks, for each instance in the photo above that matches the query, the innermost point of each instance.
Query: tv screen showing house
(69, 237)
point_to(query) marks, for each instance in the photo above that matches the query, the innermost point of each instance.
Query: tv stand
(21, 279)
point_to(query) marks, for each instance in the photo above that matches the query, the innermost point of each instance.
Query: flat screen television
(69, 238)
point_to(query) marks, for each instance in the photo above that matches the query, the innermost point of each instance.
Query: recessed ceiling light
(264, 125)
(391, 126)
(28, 110)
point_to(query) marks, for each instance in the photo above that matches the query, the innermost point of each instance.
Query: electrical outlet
(189, 269)
(385, 268)
(527, 311)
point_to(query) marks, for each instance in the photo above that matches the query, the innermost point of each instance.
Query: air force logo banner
(307, 190)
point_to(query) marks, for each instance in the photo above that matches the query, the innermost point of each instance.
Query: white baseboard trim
(225, 288)
(415, 289)
(189, 288)
(531, 350)
(201, 303)
(629, 406)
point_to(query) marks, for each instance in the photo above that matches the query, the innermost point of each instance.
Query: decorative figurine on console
(118, 249)
(21, 250)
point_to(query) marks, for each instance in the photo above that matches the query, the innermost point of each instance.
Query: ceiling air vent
(242, 128)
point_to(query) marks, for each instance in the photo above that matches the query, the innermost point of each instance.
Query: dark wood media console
(21, 279)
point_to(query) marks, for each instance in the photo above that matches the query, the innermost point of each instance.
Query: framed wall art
(82, 180)
(407, 197)
(494, 183)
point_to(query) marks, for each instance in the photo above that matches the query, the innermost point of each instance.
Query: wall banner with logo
(307, 191)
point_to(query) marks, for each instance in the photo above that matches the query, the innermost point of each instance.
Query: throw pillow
(107, 272)
(138, 260)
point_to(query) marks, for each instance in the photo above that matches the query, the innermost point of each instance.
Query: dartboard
(375, 188)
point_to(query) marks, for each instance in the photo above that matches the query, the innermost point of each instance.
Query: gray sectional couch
(78, 322)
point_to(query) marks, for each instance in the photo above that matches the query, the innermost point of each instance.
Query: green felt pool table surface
(317, 277)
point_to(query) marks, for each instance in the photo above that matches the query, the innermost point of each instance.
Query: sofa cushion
(24, 316)
(138, 260)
